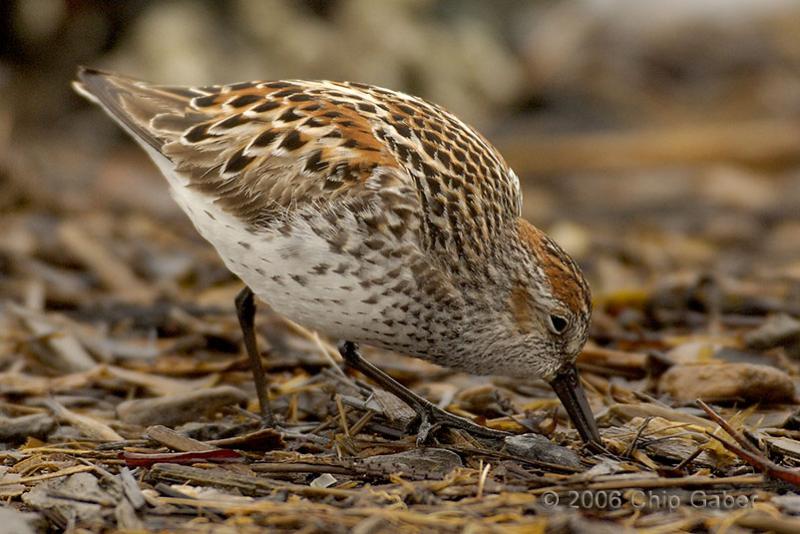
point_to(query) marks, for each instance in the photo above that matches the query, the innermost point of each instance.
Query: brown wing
(258, 148)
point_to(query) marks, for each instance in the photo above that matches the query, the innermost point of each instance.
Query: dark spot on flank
(408, 110)
(350, 143)
(332, 114)
(311, 107)
(434, 185)
(371, 300)
(286, 92)
(260, 271)
(300, 279)
(313, 122)
(240, 85)
(278, 85)
(426, 169)
(266, 106)
(237, 162)
(289, 116)
(265, 138)
(244, 245)
(300, 97)
(367, 108)
(198, 133)
(437, 207)
(210, 215)
(430, 136)
(244, 100)
(337, 243)
(321, 268)
(314, 162)
(292, 141)
(232, 121)
(204, 101)
(332, 185)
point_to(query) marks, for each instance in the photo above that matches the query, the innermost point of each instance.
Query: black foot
(431, 417)
(246, 311)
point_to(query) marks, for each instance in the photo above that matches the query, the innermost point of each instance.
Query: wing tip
(84, 84)
(114, 93)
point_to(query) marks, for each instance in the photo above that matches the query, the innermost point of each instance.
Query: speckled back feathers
(261, 148)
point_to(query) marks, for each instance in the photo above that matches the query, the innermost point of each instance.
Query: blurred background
(659, 142)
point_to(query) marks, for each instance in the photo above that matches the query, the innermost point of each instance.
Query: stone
(727, 382)
(538, 447)
(428, 462)
(178, 409)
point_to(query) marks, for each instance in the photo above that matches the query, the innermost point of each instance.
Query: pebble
(428, 462)
(178, 409)
(38, 425)
(538, 447)
(727, 381)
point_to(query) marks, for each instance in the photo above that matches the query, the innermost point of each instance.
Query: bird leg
(246, 311)
(431, 417)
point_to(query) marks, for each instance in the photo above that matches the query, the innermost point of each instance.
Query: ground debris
(181, 408)
(728, 382)
(538, 447)
(16, 429)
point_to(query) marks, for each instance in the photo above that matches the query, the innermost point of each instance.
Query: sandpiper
(371, 216)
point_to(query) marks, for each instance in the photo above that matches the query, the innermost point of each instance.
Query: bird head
(549, 308)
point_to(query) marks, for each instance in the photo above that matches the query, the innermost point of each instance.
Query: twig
(632, 446)
(482, 479)
(761, 463)
(689, 458)
(743, 441)
(342, 415)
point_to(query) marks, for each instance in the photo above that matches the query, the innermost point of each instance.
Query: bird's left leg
(431, 416)
(246, 311)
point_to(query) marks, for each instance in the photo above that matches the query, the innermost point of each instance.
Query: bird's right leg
(246, 311)
(431, 417)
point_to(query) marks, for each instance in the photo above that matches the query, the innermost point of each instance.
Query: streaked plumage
(364, 213)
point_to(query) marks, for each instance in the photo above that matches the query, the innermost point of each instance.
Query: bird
(371, 216)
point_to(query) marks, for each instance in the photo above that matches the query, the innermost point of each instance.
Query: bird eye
(558, 323)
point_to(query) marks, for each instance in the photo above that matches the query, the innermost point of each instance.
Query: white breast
(298, 274)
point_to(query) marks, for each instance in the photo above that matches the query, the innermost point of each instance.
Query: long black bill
(567, 386)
